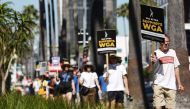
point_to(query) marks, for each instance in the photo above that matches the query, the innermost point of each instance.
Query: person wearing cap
(116, 82)
(67, 87)
(89, 79)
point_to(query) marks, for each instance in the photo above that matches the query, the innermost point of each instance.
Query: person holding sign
(116, 82)
(165, 67)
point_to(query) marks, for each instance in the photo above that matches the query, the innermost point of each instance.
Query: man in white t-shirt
(165, 65)
(116, 79)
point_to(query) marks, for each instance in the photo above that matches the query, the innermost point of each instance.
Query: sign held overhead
(106, 40)
(152, 23)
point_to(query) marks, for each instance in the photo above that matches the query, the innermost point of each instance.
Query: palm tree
(6, 14)
(31, 12)
(178, 42)
(135, 57)
(16, 33)
(148, 2)
(123, 12)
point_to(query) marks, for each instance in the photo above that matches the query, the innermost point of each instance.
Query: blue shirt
(76, 83)
(65, 77)
(102, 83)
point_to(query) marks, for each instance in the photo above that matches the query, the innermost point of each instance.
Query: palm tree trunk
(178, 42)
(3, 83)
(4, 77)
(97, 24)
(135, 61)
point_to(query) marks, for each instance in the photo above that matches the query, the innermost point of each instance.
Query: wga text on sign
(152, 26)
(106, 43)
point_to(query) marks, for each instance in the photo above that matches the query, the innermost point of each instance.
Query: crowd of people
(82, 85)
(85, 86)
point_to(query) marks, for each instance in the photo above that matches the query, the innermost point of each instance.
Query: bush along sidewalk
(17, 101)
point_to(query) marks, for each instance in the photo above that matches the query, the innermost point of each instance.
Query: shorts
(164, 97)
(51, 91)
(118, 96)
(64, 91)
(65, 87)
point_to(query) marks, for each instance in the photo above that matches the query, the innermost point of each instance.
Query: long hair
(91, 67)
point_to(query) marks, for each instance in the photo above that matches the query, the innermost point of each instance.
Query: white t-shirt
(36, 85)
(25, 82)
(115, 78)
(164, 69)
(88, 79)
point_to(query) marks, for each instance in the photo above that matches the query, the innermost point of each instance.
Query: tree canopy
(16, 33)
(123, 10)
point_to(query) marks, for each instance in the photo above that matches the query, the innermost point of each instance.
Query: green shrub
(16, 101)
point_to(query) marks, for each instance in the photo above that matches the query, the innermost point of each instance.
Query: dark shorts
(118, 96)
(51, 91)
(64, 91)
(65, 87)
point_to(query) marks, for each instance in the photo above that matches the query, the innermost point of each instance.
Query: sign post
(106, 40)
(152, 24)
(107, 61)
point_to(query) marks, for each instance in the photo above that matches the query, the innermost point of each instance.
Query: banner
(152, 23)
(106, 41)
(55, 66)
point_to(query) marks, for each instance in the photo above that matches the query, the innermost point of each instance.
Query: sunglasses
(66, 65)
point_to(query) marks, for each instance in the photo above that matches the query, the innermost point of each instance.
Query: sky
(120, 23)
(18, 5)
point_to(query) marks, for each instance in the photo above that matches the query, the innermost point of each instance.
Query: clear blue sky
(18, 5)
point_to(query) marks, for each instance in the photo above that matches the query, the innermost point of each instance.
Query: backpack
(42, 90)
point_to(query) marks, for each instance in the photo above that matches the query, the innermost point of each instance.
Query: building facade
(61, 20)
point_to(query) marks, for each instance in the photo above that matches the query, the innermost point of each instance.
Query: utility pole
(84, 23)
